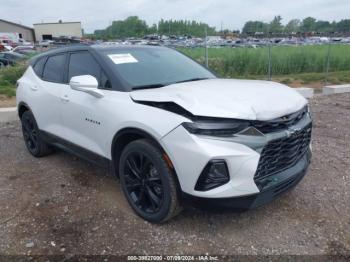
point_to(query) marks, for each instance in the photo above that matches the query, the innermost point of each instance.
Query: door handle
(65, 98)
(34, 88)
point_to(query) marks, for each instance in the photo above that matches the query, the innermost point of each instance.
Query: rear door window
(39, 66)
(54, 68)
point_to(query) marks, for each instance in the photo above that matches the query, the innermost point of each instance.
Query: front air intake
(214, 174)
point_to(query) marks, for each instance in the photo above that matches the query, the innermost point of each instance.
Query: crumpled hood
(228, 98)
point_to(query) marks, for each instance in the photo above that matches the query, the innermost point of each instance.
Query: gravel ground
(62, 205)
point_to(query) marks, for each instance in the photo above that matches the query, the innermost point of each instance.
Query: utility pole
(206, 48)
(222, 31)
(269, 65)
(269, 56)
(327, 62)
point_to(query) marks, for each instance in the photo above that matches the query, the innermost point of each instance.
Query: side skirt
(77, 150)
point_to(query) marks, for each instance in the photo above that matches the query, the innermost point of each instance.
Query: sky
(232, 14)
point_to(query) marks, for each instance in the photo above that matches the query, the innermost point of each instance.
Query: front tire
(32, 138)
(149, 184)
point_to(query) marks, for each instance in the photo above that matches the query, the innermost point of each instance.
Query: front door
(82, 113)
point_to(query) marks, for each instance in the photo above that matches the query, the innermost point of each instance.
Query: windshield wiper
(192, 79)
(147, 86)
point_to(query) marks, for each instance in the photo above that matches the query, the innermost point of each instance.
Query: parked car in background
(4, 46)
(167, 126)
(8, 44)
(23, 42)
(24, 50)
(10, 58)
(8, 48)
(45, 43)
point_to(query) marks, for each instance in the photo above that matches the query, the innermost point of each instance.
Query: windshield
(155, 67)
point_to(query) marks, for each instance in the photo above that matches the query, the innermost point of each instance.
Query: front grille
(281, 123)
(280, 154)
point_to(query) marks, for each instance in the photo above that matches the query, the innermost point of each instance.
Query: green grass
(248, 62)
(307, 79)
(313, 79)
(8, 78)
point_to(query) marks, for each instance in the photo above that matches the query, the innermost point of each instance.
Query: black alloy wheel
(148, 182)
(30, 133)
(32, 138)
(143, 183)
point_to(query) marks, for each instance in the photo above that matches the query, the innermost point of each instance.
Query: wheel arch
(125, 136)
(22, 107)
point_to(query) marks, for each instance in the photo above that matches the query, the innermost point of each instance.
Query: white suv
(166, 126)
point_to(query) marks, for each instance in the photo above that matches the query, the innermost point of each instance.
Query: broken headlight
(221, 129)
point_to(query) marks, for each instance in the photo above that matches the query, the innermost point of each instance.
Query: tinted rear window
(39, 66)
(54, 68)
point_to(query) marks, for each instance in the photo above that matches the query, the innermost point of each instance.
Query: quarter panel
(43, 98)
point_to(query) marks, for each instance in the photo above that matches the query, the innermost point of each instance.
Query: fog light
(214, 174)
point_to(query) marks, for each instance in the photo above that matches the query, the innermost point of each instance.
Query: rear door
(83, 114)
(46, 90)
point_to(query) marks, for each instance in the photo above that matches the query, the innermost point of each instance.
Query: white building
(46, 31)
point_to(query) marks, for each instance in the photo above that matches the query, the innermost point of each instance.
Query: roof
(15, 24)
(121, 47)
(96, 47)
(57, 23)
(74, 47)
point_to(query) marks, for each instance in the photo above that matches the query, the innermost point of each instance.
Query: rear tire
(32, 137)
(148, 183)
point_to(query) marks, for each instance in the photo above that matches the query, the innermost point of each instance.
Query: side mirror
(87, 84)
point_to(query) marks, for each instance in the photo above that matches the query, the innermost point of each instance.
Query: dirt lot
(7, 101)
(62, 205)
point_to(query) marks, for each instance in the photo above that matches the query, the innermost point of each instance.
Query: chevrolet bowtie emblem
(292, 131)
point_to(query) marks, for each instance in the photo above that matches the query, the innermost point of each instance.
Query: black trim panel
(76, 150)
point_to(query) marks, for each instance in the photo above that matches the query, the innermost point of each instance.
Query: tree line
(133, 26)
(306, 25)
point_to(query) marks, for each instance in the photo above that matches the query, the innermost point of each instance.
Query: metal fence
(326, 63)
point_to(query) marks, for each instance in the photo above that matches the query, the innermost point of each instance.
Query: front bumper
(190, 154)
(279, 184)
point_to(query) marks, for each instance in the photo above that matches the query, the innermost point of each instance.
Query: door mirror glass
(87, 84)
